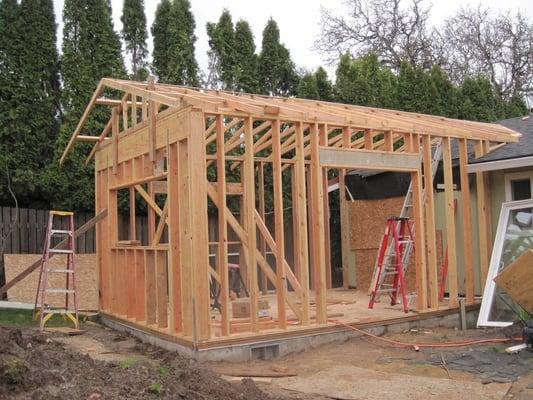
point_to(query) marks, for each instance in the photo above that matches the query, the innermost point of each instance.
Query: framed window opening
(514, 235)
(518, 186)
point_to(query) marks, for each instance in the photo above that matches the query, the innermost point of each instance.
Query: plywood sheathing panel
(24, 292)
(517, 281)
(369, 218)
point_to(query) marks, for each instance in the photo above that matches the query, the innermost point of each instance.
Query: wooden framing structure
(172, 147)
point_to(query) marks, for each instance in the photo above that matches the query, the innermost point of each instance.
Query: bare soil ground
(36, 365)
(105, 364)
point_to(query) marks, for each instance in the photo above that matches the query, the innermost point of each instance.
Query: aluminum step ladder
(43, 310)
(406, 212)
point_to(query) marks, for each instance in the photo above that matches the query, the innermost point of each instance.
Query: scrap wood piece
(78, 232)
(65, 330)
(248, 372)
(515, 349)
(517, 281)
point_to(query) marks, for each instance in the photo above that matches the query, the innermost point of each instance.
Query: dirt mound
(34, 366)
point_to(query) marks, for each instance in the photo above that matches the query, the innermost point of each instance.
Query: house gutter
(500, 164)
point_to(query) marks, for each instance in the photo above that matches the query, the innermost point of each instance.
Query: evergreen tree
(478, 102)
(364, 81)
(447, 99)
(307, 87)
(246, 60)
(222, 52)
(416, 92)
(135, 34)
(324, 86)
(91, 51)
(160, 29)
(515, 107)
(315, 86)
(173, 32)
(276, 70)
(29, 99)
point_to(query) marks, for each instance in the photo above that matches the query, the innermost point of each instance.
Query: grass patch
(24, 318)
(155, 388)
(127, 363)
(14, 371)
(162, 371)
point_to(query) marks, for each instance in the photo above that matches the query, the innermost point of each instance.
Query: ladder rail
(44, 310)
(399, 230)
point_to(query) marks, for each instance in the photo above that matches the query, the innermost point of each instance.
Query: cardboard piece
(241, 308)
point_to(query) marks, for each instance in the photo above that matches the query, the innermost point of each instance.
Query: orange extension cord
(417, 346)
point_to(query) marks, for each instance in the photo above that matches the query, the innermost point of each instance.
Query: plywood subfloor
(343, 307)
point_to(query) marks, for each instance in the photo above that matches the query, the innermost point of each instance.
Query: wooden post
(262, 242)
(152, 106)
(327, 234)
(114, 135)
(318, 239)
(161, 279)
(281, 281)
(450, 221)
(199, 222)
(433, 280)
(112, 237)
(133, 233)
(295, 231)
(301, 250)
(222, 248)
(389, 142)
(185, 253)
(369, 140)
(174, 268)
(483, 216)
(345, 228)
(420, 242)
(102, 241)
(310, 202)
(467, 223)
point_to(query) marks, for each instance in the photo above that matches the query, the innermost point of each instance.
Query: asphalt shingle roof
(522, 148)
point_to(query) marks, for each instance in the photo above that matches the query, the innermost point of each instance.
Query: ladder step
(60, 232)
(59, 290)
(59, 271)
(62, 251)
(386, 290)
(58, 311)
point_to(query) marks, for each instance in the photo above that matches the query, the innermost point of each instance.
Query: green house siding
(497, 188)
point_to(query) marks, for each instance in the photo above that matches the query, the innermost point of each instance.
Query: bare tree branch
(500, 46)
(392, 29)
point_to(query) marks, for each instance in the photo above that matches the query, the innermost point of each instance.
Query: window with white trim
(514, 236)
(518, 186)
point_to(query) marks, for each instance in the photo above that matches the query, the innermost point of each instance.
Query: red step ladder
(43, 309)
(391, 266)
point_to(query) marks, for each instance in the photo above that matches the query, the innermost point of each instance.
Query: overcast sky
(298, 20)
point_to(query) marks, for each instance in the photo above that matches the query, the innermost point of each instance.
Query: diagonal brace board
(263, 264)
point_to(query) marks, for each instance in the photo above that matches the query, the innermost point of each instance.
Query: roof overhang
(500, 164)
(332, 115)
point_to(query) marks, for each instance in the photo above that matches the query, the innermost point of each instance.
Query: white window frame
(514, 176)
(490, 286)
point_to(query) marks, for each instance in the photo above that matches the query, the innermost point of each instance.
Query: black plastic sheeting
(491, 364)
(379, 186)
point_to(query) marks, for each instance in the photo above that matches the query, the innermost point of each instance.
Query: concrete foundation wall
(274, 348)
